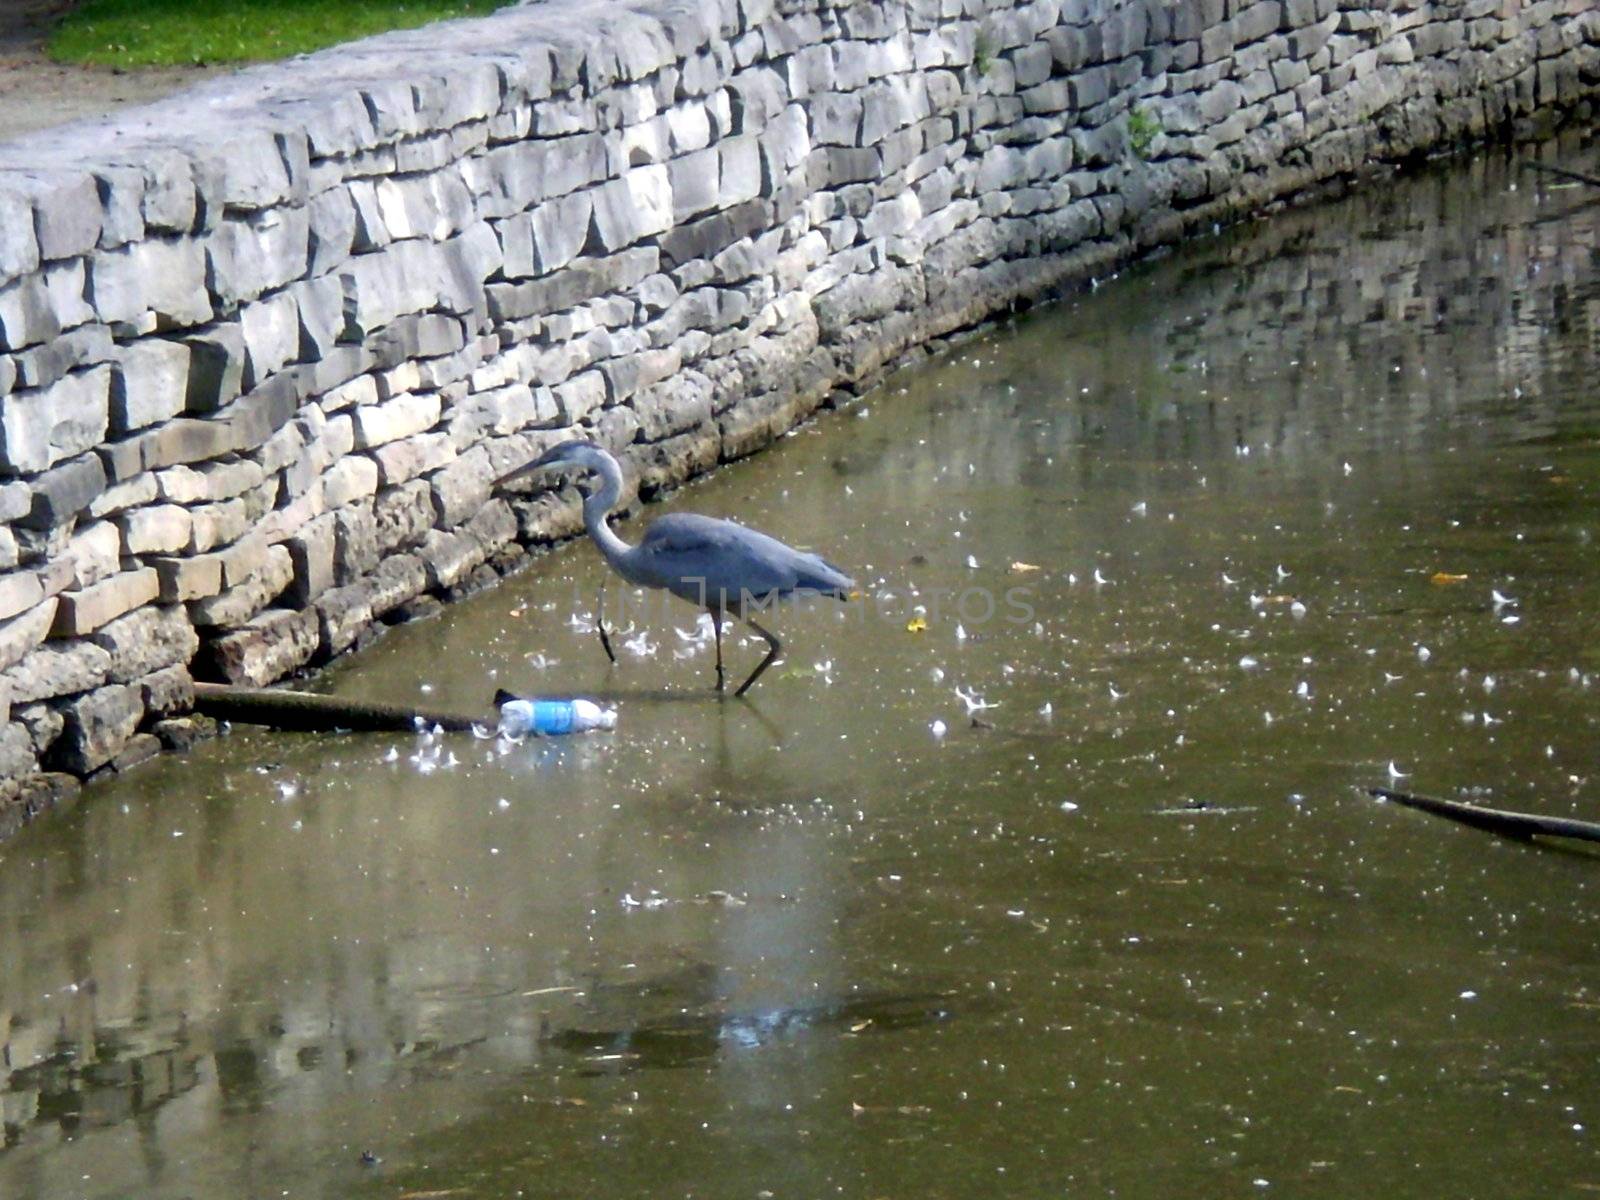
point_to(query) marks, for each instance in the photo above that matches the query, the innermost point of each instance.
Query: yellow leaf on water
(1022, 568)
(1445, 579)
(916, 624)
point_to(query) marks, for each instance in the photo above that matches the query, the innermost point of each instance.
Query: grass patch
(175, 33)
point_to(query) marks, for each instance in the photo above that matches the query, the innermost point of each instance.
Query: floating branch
(1495, 820)
(319, 714)
(1566, 172)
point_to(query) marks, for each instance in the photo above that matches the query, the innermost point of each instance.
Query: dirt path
(36, 93)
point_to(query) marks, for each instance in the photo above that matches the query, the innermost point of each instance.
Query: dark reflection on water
(961, 903)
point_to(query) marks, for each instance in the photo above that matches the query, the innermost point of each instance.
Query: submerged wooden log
(1565, 172)
(1495, 820)
(320, 714)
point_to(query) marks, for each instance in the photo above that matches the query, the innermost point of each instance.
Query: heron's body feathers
(710, 561)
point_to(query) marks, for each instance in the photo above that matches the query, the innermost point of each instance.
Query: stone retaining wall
(264, 347)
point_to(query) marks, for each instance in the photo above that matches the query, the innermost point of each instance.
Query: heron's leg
(774, 648)
(600, 622)
(716, 628)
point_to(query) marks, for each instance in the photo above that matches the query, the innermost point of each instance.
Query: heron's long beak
(553, 457)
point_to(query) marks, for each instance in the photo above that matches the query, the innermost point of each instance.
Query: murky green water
(1152, 940)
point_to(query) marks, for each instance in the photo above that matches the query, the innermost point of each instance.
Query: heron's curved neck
(600, 502)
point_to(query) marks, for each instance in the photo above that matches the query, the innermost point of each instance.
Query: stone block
(216, 367)
(234, 606)
(636, 206)
(271, 332)
(17, 758)
(208, 482)
(351, 478)
(404, 460)
(343, 615)
(403, 515)
(271, 645)
(311, 551)
(740, 177)
(27, 315)
(97, 728)
(57, 668)
(162, 276)
(250, 255)
(191, 577)
(331, 218)
(449, 558)
(38, 429)
(694, 178)
(64, 491)
(95, 553)
(42, 366)
(169, 691)
(67, 212)
(149, 383)
(19, 247)
(461, 488)
(155, 529)
(19, 591)
(22, 631)
(402, 417)
(86, 609)
(148, 639)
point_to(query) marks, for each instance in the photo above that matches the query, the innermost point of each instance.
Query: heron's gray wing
(700, 558)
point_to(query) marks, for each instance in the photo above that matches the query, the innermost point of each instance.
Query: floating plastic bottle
(552, 717)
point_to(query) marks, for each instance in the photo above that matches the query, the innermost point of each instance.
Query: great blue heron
(714, 564)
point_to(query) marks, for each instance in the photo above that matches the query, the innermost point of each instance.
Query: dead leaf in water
(1445, 579)
(1022, 568)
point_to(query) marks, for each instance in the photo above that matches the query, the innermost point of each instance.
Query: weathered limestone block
(344, 614)
(161, 276)
(18, 756)
(271, 331)
(169, 691)
(403, 515)
(404, 460)
(636, 206)
(19, 246)
(62, 492)
(207, 482)
(449, 558)
(271, 645)
(188, 578)
(254, 167)
(149, 383)
(57, 668)
(19, 591)
(38, 429)
(356, 551)
(258, 253)
(673, 405)
(97, 727)
(402, 417)
(22, 633)
(238, 603)
(216, 367)
(311, 551)
(42, 366)
(149, 639)
(665, 464)
(95, 552)
(86, 609)
(694, 180)
(351, 478)
(42, 720)
(461, 488)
